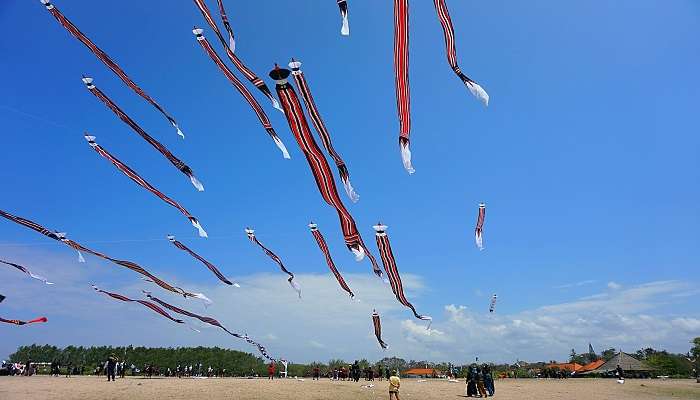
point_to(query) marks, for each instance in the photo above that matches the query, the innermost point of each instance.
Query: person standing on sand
(380, 372)
(271, 371)
(387, 374)
(488, 380)
(480, 382)
(394, 384)
(111, 366)
(620, 373)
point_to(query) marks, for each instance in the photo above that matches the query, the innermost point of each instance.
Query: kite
(447, 28)
(492, 307)
(148, 304)
(76, 246)
(318, 164)
(479, 230)
(209, 265)
(142, 182)
(264, 120)
(208, 320)
(324, 248)
(392, 271)
(343, 5)
(26, 271)
(403, 95)
(68, 25)
(2, 298)
(153, 142)
(250, 75)
(227, 25)
(273, 256)
(18, 322)
(321, 128)
(378, 329)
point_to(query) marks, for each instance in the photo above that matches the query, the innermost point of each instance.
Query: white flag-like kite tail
(321, 128)
(247, 72)
(378, 329)
(345, 28)
(331, 265)
(126, 170)
(262, 116)
(403, 94)
(201, 259)
(392, 270)
(59, 236)
(447, 28)
(184, 168)
(68, 25)
(275, 258)
(27, 271)
(479, 230)
(144, 303)
(320, 168)
(492, 306)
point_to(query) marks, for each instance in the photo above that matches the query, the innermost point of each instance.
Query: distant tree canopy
(235, 362)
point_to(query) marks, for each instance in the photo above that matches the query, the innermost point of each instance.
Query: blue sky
(587, 158)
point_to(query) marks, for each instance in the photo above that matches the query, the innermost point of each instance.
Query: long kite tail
(343, 6)
(247, 72)
(126, 170)
(392, 270)
(403, 95)
(262, 116)
(210, 321)
(320, 126)
(201, 259)
(227, 25)
(144, 303)
(20, 322)
(444, 16)
(27, 271)
(317, 161)
(329, 260)
(479, 230)
(492, 306)
(276, 259)
(179, 164)
(378, 329)
(73, 30)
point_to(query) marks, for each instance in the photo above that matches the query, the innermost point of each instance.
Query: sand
(87, 388)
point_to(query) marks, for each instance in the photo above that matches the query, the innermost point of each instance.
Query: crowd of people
(480, 381)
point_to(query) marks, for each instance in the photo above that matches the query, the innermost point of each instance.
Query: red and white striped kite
(262, 116)
(321, 128)
(201, 259)
(378, 329)
(145, 303)
(345, 28)
(144, 184)
(492, 306)
(449, 32)
(392, 270)
(26, 271)
(324, 248)
(275, 258)
(59, 236)
(479, 230)
(18, 322)
(403, 94)
(68, 25)
(184, 168)
(318, 164)
(230, 47)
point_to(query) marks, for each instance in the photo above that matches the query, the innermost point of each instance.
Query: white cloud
(575, 284)
(326, 324)
(614, 286)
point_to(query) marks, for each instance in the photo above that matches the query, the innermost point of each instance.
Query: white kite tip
(295, 65)
(249, 231)
(236, 285)
(171, 238)
(313, 226)
(198, 31)
(90, 138)
(482, 205)
(345, 29)
(87, 80)
(380, 227)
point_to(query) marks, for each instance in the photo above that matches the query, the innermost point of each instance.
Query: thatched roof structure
(624, 360)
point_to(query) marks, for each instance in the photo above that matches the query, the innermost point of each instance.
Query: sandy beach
(84, 388)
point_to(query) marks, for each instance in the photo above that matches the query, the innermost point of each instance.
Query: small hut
(631, 367)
